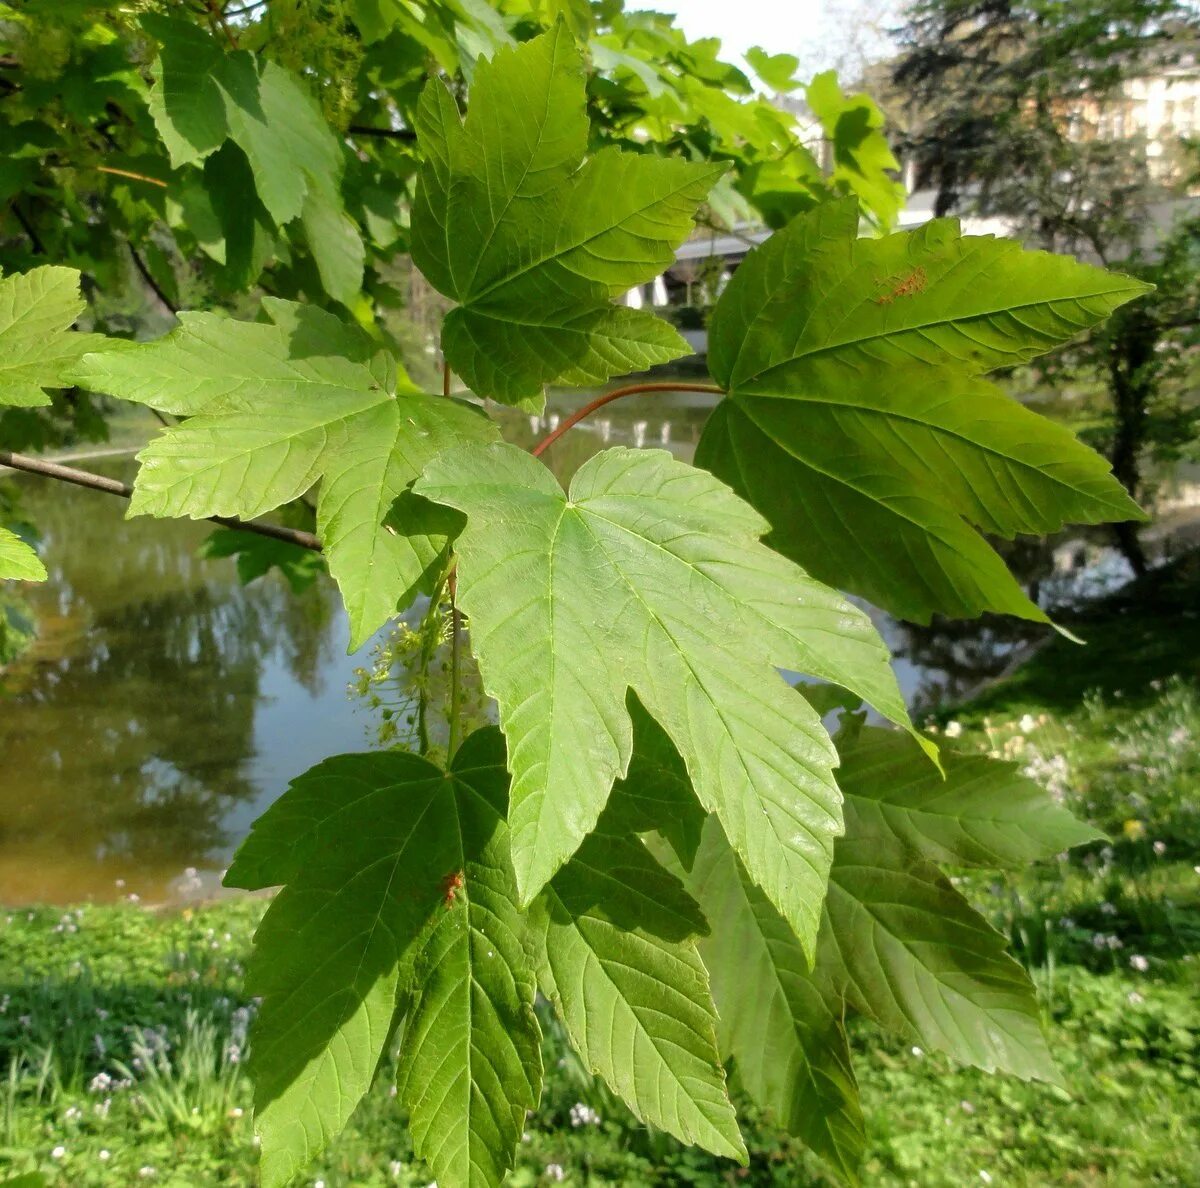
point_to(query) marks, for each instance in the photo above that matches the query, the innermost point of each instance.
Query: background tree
(1019, 109)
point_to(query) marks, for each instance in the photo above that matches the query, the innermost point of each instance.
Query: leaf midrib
(473, 299)
(918, 327)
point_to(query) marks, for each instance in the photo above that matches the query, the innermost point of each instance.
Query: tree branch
(39, 248)
(386, 133)
(608, 398)
(98, 482)
(148, 277)
(142, 177)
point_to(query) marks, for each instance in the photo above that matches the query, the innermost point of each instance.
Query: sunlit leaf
(272, 408)
(617, 957)
(37, 345)
(17, 560)
(532, 241)
(650, 576)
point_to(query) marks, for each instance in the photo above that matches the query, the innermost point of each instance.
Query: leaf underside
(532, 241)
(858, 423)
(398, 908)
(615, 942)
(650, 577)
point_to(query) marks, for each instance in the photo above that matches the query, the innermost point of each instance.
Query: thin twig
(98, 482)
(445, 379)
(608, 397)
(148, 277)
(154, 181)
(431, 633)
(39, 248)
(455, 673)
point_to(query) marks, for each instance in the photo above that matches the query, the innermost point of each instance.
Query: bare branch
(99, 482)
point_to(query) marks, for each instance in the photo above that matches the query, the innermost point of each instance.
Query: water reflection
(161, 704)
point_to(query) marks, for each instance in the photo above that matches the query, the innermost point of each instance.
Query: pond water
(164, 706)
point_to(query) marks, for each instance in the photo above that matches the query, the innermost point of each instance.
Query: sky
(822, 33)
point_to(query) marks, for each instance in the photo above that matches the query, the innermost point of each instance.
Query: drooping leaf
(856, 421)
(396, 895)
(205, 96)
(17, 560)
(982, 813)
(37, 345)
(650, 577)
(470, 1052)
(780, 1025)
(272, 408)
(615, 942)
(531, 241)
(904, 948)
(257, 555)
(362, 843)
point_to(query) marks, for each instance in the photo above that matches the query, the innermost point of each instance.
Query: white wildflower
(1139, 963)
(58, 1153)
(146, 1172)
(104, 1155)
(1134, 998)
(582, 1115)
(966, 1107)
(918, 1052)
(954, 729)
(555, 1172)
(1027, 724)
(1160, 848)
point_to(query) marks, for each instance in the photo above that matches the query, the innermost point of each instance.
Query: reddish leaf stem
(608, 398)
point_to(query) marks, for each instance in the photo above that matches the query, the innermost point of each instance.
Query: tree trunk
(1131, 383)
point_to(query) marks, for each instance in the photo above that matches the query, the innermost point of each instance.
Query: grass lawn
(123, 1030)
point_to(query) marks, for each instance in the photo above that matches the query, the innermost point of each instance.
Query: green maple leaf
(37, 346)
(17, 560)
(904, 948)
(898, 942)
(272, 408)
(531, 241)
(863, 161)
(398, 906)
(982, 812)
(615, 944)
(650, 576)
(857, 421)
(257, 555)
(782, 1028)
(204, 96)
